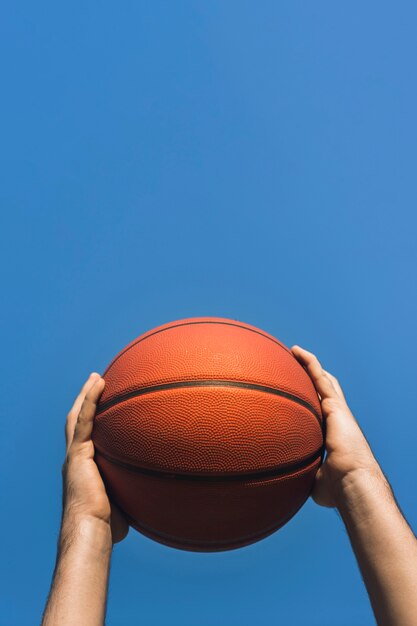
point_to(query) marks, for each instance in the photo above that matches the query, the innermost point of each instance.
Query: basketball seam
(286, 469)
(207, 383)
(151, 533)
(151, 334)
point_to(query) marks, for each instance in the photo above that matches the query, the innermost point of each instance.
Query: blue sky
(163, 160)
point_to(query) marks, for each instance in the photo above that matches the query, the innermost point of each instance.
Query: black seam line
(289, 468)
(206, 383)
(116, 358)
(221, 544)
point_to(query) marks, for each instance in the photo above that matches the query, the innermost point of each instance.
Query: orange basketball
(208, 434)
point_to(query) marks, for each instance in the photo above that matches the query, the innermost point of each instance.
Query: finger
(80, 398)
(85, 420)
(321, 380)
(336, 385)
(75, 410)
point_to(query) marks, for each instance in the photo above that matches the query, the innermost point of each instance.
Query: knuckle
(81, 419)
(329, 404)
(87, 405)
(81, 424)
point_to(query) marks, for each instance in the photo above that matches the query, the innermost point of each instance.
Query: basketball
(208, 434)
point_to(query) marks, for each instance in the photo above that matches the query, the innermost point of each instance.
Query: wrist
(79, 588)
(84, 529)
(361, 492)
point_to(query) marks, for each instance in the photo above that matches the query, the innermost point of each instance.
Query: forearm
(79, 588)
(384, 545)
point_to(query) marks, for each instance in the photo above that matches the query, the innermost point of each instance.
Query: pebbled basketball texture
(208, 434)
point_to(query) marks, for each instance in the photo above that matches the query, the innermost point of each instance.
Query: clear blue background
(163, 160)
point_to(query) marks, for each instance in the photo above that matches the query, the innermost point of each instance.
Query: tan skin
(350, 480)
(84, 491)
(346, 447)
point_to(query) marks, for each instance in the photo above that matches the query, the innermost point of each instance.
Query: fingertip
(299, 352)
(98, 382)
(96, 389)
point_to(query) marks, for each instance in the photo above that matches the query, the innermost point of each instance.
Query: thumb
(320, 493)
(118, 524)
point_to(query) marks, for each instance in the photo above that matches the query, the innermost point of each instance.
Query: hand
(83, 489)
(348, 452)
